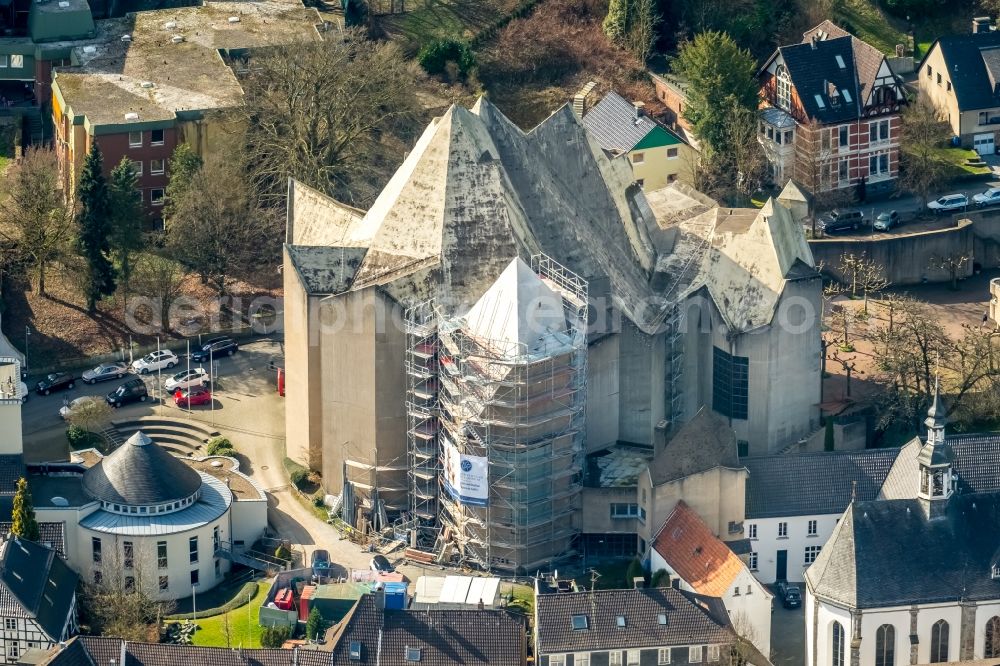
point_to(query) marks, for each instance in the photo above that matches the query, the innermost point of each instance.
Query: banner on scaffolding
(466, 478)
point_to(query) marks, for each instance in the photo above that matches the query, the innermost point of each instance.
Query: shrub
(81, 439)
(299, 477)
(435, 56)
(241, 599)
(274, 637)
(635, 570)
(282, 552)
(660, 579)
(220, 446)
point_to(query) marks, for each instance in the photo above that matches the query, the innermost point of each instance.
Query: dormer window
(783, 88)
(995, 570)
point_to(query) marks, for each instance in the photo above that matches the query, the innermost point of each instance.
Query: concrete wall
(303, 394)
(642, 390)
(364, 390)
(906, 258)
(602, 393)
(249, 518)
(596, 511)
(718, 496)
(10, 427)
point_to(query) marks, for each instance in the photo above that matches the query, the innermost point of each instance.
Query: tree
(220, 229)
(92, 219)
(274, 637)
(161, 280)
(922, 134)
(952, 264)
(34, 214)
(126, 218)
(632, 24)
(24, 524)
(746, 154)
(91, 415)
(863, 275)
(635, 570)
(184, 164)
(303, 124)
(720, 77)
(315, 625)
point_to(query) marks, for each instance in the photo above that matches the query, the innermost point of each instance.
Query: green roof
(657, 138)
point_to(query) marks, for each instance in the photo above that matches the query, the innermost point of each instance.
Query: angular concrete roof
(705, 442)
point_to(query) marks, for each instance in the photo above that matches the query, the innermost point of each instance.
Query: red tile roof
(695, 554)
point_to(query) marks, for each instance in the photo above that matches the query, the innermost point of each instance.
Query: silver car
(104, 372)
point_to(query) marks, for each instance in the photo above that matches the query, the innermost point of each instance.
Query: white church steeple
(936, 475)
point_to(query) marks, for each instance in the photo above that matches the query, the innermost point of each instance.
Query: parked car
(193, 396)
(215, 347)
(380, 564)
(57, 381)
(320, 562)
(792, 597)
(949, 203)
(66, 409)
(24, 393)
(155, 361)
(990, 197)
(132, 390)
(104, 372)
(186, 379)
(841, 220)
(886, 221)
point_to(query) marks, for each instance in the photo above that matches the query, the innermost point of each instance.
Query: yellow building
(657, 155)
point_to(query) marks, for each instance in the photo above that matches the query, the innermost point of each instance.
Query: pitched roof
(808, 484)
(50, 535)
(815, 71)
(444, 637)
(975, 460)
(703, 443)
(867, 58)
(617, 126)
(99, 651)
(139, 472)
(690, 620)
(324, 270)
(966, 57)
(11, 469)
(690, 549)
(888, 553)
(36, 583)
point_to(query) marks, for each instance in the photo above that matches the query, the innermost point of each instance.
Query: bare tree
(745, 152)
(319, 112)
(922, 136)
(952, 264)
(34, 215)
(849, 366)
(90, 414)
(161, 280)
(843, 317)
(862, 274)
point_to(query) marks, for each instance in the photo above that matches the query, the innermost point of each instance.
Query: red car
(195, 395)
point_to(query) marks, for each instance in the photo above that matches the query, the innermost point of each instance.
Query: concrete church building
(411, 368)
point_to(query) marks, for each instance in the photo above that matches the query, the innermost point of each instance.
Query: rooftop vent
(177, 39)
(132, 116)
(126, 38)
(146, 84)
(59, 501)
(170, 25)
(234, 19)
(90, 49)
(63, 4)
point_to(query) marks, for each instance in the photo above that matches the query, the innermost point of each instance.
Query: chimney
(981, 24)
(638, 582)
(814, 41)
(638, 106)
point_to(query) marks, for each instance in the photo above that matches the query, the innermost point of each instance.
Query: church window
(992, 650)
(939, 642)
(885, 646)
(837, 645)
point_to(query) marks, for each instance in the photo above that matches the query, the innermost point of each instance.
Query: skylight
(355, 650)
(620, 620)
(412, 654)
(661, 619)
(840, 62)
(579, 622)
(847, 95)
(819, 102)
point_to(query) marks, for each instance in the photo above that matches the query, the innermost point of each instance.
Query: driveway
(788, 635)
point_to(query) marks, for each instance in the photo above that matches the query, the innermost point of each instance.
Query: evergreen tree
(315, 625)
(632, 24)
(25, 525)
(126, 217)
(184, 165)
(93, 220)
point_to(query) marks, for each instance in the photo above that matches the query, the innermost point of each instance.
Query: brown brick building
(830, 113)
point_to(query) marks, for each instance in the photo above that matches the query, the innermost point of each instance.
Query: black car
(215, 348)
(134, 390)
(790, 595)
(841, 219)
(381, 564)
(57, 381)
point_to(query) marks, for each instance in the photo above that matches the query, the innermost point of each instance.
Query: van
(841, 220)
(133, 390)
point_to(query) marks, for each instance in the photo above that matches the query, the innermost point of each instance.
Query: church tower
(937, 482)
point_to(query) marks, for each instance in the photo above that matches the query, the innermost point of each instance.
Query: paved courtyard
(788, 635)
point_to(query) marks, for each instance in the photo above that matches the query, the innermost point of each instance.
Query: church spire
(937, 417)
(936, 478)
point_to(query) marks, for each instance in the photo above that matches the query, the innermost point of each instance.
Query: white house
(141, 516)
(793, 503)
(37, 599)
(699, 562)
(914, 576)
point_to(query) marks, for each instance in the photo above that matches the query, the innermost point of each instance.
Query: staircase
(181, 437)
(34, 128)
(251, 558)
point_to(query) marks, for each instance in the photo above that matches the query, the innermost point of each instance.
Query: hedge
(219, 446)
(241, 599)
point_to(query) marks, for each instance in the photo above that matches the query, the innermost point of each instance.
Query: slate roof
(691, 620)
(703, 443)
(813, 67)
(444, 637)
(975, 460)
(613, 123)
(808, 484)
(696, 555)
(325, 270)
(967, 68)
(36, 583)
(867, 58)
(99, 651)
(887, 553)
(50, 535)
(139, 472)
(11, 469)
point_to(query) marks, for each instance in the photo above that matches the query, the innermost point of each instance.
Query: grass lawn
(211, 631)
(524, 597)
(956, 159)
(869, 24)
(426, 20)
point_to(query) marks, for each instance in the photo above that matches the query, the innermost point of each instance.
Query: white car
(65, 410)
(949, 203)
(990, 197)
(155, 361)
(187, 379)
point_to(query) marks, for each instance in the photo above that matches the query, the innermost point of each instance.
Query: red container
(307, 593)
(284, 599)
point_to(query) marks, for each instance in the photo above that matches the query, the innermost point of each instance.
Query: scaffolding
(675, 368)
(519, 409)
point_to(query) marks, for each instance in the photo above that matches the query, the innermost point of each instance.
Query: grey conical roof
(140, 472)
